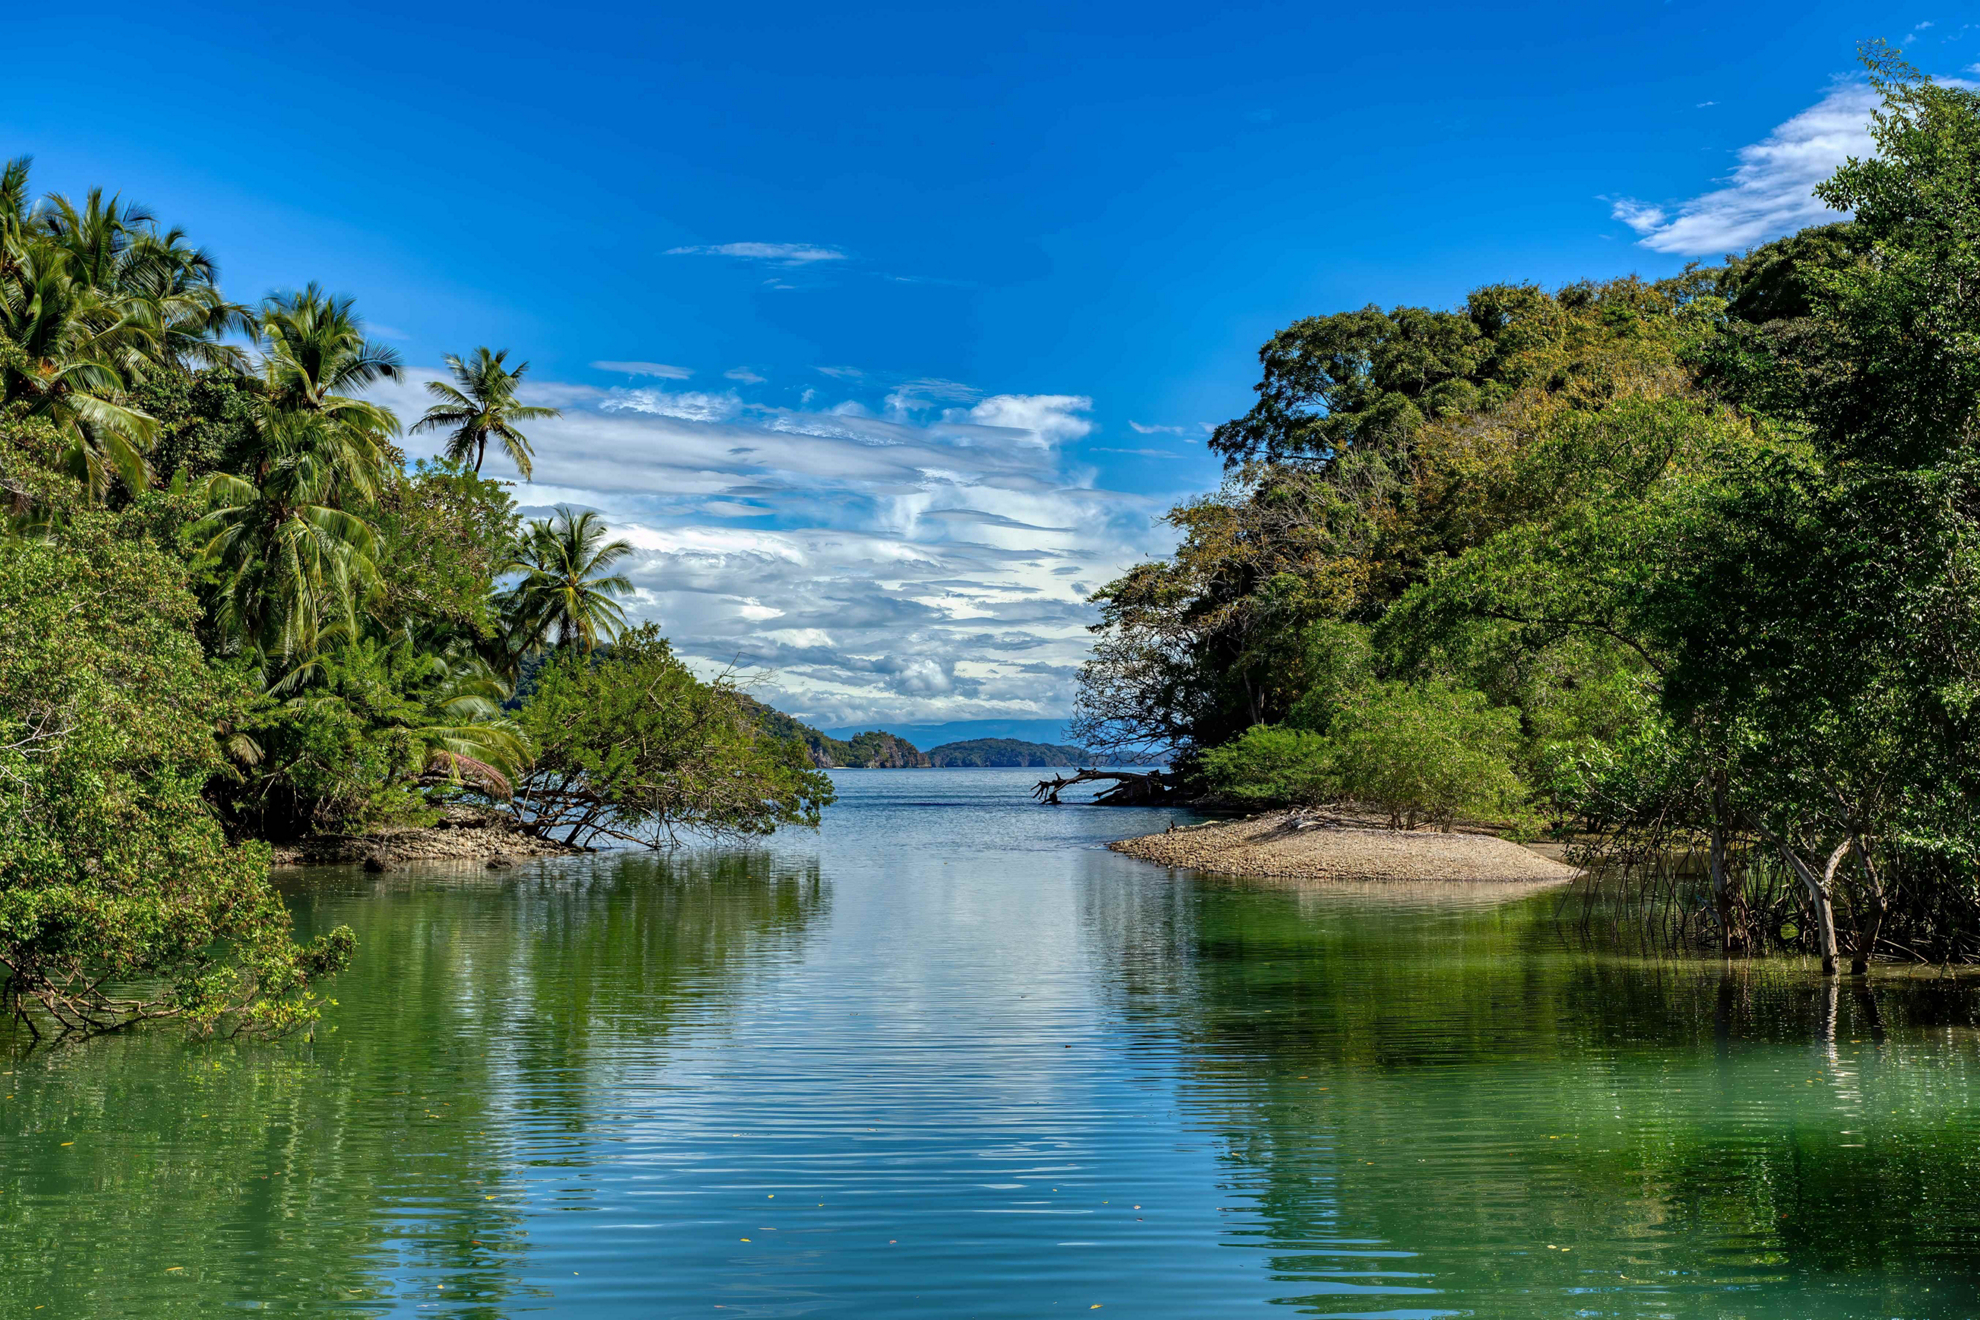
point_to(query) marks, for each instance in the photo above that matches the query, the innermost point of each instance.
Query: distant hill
(873, 750)
(1007, 752)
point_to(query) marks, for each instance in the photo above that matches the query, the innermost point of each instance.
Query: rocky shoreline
(461, 834)
(1342, 845)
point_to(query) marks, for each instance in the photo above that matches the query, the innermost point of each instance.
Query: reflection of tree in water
(482, 1019)
(1463, 1083)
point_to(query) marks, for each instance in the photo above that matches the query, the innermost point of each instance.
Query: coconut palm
(95, 299)
(71, 344)
(315, 357)
(566, 594)
(172, 290)
(481, 404)
(16, 214)
(292, 563)
(448, 701)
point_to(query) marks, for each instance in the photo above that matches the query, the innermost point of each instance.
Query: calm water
(948, 1058)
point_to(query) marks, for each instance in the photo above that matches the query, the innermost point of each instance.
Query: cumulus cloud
(860, 567)
(1039, 419)
(1772, 191)
(659, 369)
(782, 254)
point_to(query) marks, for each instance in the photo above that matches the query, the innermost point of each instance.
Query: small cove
(950, 1057)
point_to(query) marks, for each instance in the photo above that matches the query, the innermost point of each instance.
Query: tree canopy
(1702, 544)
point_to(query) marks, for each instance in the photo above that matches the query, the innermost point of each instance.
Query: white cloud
(1772, 191)
(860, 568)
(743, 374)
(1156, 430)
(783, 254)
(659, 369)
(688, 405)
(1040, 419)
(918, 395)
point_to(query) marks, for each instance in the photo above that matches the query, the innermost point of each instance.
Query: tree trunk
(1822, 910)
(1871, 924)
(1721, 897)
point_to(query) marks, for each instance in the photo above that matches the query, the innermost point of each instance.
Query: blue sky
(887, 332)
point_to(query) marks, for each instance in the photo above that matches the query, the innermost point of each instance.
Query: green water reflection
(147, 1176)
(1513, 1115)
(947, 1058)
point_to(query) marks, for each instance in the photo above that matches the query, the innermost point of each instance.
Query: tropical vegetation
(1684, 570)
(232, 615)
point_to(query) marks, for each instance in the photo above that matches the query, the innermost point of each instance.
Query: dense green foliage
(1421, 752)
(1700, 553)
(120, 895)
(632, 746)
(230, 615)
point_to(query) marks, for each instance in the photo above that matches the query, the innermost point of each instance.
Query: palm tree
(71, 344)
(292, 563)
(174, 292)
(95, 299)
(566, 591)
(448, 701)
(482, 403)
(314, 354)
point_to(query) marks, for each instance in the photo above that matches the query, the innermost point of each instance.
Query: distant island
(1007, 752)
(877, 749)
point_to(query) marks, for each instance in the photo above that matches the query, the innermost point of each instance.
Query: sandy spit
(1309, 846)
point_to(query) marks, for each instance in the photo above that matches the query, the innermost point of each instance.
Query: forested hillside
(1006, 752)
(873, 750)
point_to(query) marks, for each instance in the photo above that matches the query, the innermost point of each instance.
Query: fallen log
(1131, 788)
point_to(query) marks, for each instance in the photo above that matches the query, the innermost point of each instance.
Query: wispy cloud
(1772, 191)
(915, 396)
(688, 405)
(782, 254)
(659, 369)
(743, 374)
(863, 568)
(1149, 429)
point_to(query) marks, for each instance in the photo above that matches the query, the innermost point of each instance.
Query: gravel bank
(463, 834)
(1294, 846)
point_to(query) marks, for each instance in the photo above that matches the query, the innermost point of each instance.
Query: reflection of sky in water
(947, 1057)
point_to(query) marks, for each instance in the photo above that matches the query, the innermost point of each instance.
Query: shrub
(1427, 752)
(1273, 764)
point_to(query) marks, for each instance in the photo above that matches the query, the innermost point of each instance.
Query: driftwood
(1131, 789)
